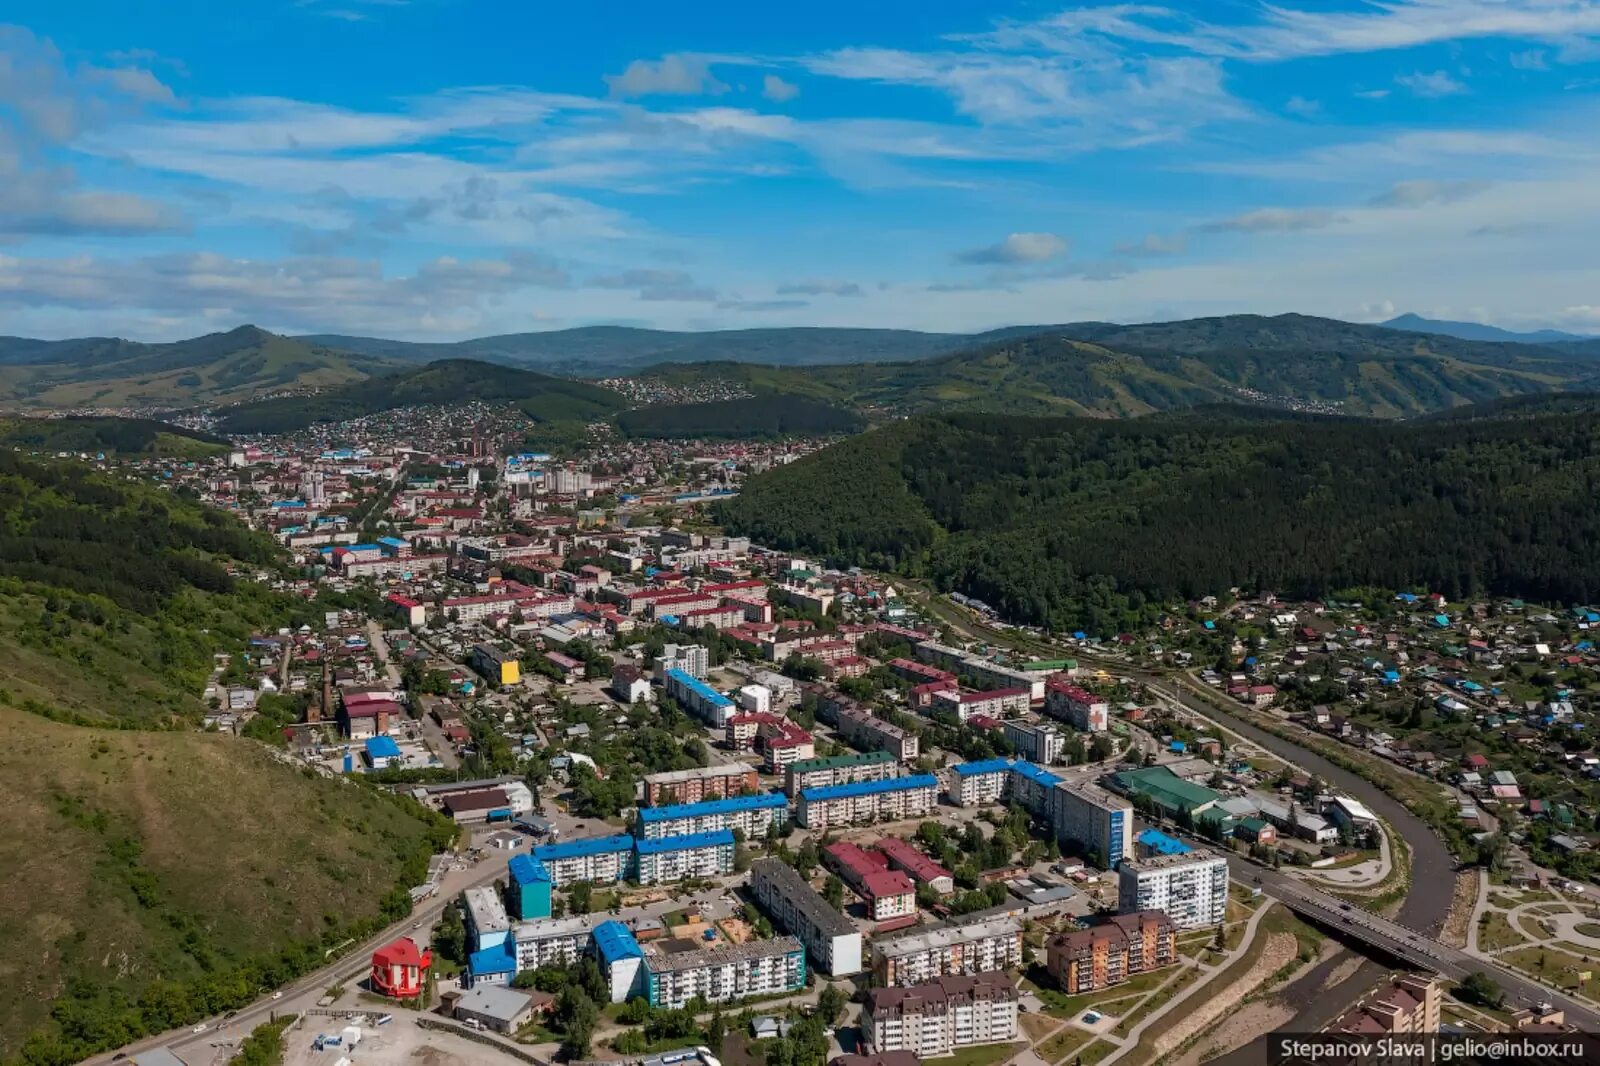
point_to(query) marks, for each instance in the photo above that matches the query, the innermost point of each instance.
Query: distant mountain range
(1477, 331)
(1097, 368)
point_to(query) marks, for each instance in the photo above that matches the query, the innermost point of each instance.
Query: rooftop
(933, 939)
(835, 762)
(722, 955)
(791, 886)
(868, 788)
(715, 838)
(719, 806)
(495, 1001)
(577, 849)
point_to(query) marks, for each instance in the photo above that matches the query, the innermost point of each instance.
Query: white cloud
(1430, 85)
(1017, 248)
(671, 75)
(820, 287)
(1530, 60)
(1421, 193)
(1275, 220)
(1153, 245)
(1303, 107)
(777, 90)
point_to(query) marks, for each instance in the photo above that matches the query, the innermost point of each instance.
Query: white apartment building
(679, 858)
(551, 941)
(601, 859)
(725, 974)
(979, 784)
(942, 1016)
(866, 802)
(1191, 888)
(1043, 744)
(961, 950)
(1100, 822)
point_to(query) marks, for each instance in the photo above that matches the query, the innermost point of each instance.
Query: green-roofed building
(1170, 793)
(839, 770)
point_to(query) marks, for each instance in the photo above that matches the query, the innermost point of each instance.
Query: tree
(1493, 851)
(450, 936)
(716, 1031)
(833, 892)
(1479, 989)
(831, 1003)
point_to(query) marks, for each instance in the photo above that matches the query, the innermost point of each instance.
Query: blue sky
(451, 168)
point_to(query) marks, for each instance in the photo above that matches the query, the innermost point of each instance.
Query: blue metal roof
(577, 849)
(1162, 844)
(526, 870)
(383, 748)
(615, 941)
(495, 960)
(1037, 774)
(982, 766)
(715, 838)
(869, 788)
(699, 688)
(722, 806)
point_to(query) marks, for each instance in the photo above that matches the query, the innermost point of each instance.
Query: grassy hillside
(216, 368)
(122, 436)
(450, 381)
(1097, 523)
(154, 874)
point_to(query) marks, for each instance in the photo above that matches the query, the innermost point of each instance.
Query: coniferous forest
(1071, 523)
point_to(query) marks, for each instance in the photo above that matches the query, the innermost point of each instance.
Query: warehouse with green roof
(1170, 793)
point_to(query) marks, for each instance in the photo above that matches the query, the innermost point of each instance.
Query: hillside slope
(123, 436)
(154, 875)
(1477, 331)
(595, 351)
(1094, 523)
(450, 381)
(217, 368)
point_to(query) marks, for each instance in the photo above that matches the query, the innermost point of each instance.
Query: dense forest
(1092, 523)
(754, 417)
(451, 381)
(126, 436)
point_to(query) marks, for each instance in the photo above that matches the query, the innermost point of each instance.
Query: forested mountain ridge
(215, 368)
(448, 381)
(157, 875)
(1071, 522)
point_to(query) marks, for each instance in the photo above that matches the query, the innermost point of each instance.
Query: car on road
(1344, 906)
(277, 995)
(202, 1027)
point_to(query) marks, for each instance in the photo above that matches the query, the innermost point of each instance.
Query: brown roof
(940, 994)
(482, 800)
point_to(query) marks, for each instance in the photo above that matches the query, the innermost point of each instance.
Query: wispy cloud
(1154, 244)
(1421, 193)
(1431, 84)
(777, 90)
(1275, 220)
(1017, 248)
(671, 75)
(820, 288)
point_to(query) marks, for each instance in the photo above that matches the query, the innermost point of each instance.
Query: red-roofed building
(398, 968)
(906, 858)
(410, 611)
(889, 894)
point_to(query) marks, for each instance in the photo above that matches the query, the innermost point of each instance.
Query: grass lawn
(1093, 1053)
(1549, 966)
(1587, 929)
(1155, 1002)
(986, 1055)
(1063, 1044)
(1494, 932)
(1063, 1006)
(1234, 971)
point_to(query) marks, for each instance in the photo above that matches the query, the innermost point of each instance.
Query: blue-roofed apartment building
(699, 698)
(865, 802)
(676, 858)
(605, 860)
(530, 888)
(621, 959)
(757, 816)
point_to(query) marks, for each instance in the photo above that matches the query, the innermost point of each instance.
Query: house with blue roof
(757, 816)
(382, 752)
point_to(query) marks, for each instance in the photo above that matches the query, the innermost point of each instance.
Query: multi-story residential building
(779, 740)
(862, 728)
(530, 887)
(680, 857)
(605, 860)
(1087, 960)
(919, 673)
(923, 870)
(1191, 888)
(839, 770)
(1042, 743)
(979, 669)
(865, 802)
(488, 924)
(1097, 822)
(621, 959)
(942, 1016)
(977, 784)
(699, 698)
(691, 659)
(499, 666)
(757, 816)
(1075, 705)
(832, 942)
(888, 894)
(724, 974)
(699, 784)
(967, 950)
(550, 941)
(995, 703)
(1410, 1004)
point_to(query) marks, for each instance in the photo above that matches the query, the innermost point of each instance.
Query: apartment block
(888, 894)
(757, 816)
(681, 857)
(699, 784)
(724, 974)
(942, 1016)
(978, 784)
(600, 859)
(839, 770)
(1093, 820)
(1410, 1004)
(1042, 743)
(699, 698)
(923, 870)
(862, 728)
(832, 942)
(865, 802)
(995, 703)
(1087, 960)
(1075, 705)
(961, 950)
(1191, 888)
(550, 941)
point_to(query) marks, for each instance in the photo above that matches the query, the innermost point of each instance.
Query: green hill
(155, 875)
(449, 381)
(123, 436)
(217, 368)
(1095, 523)
(754, 417)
